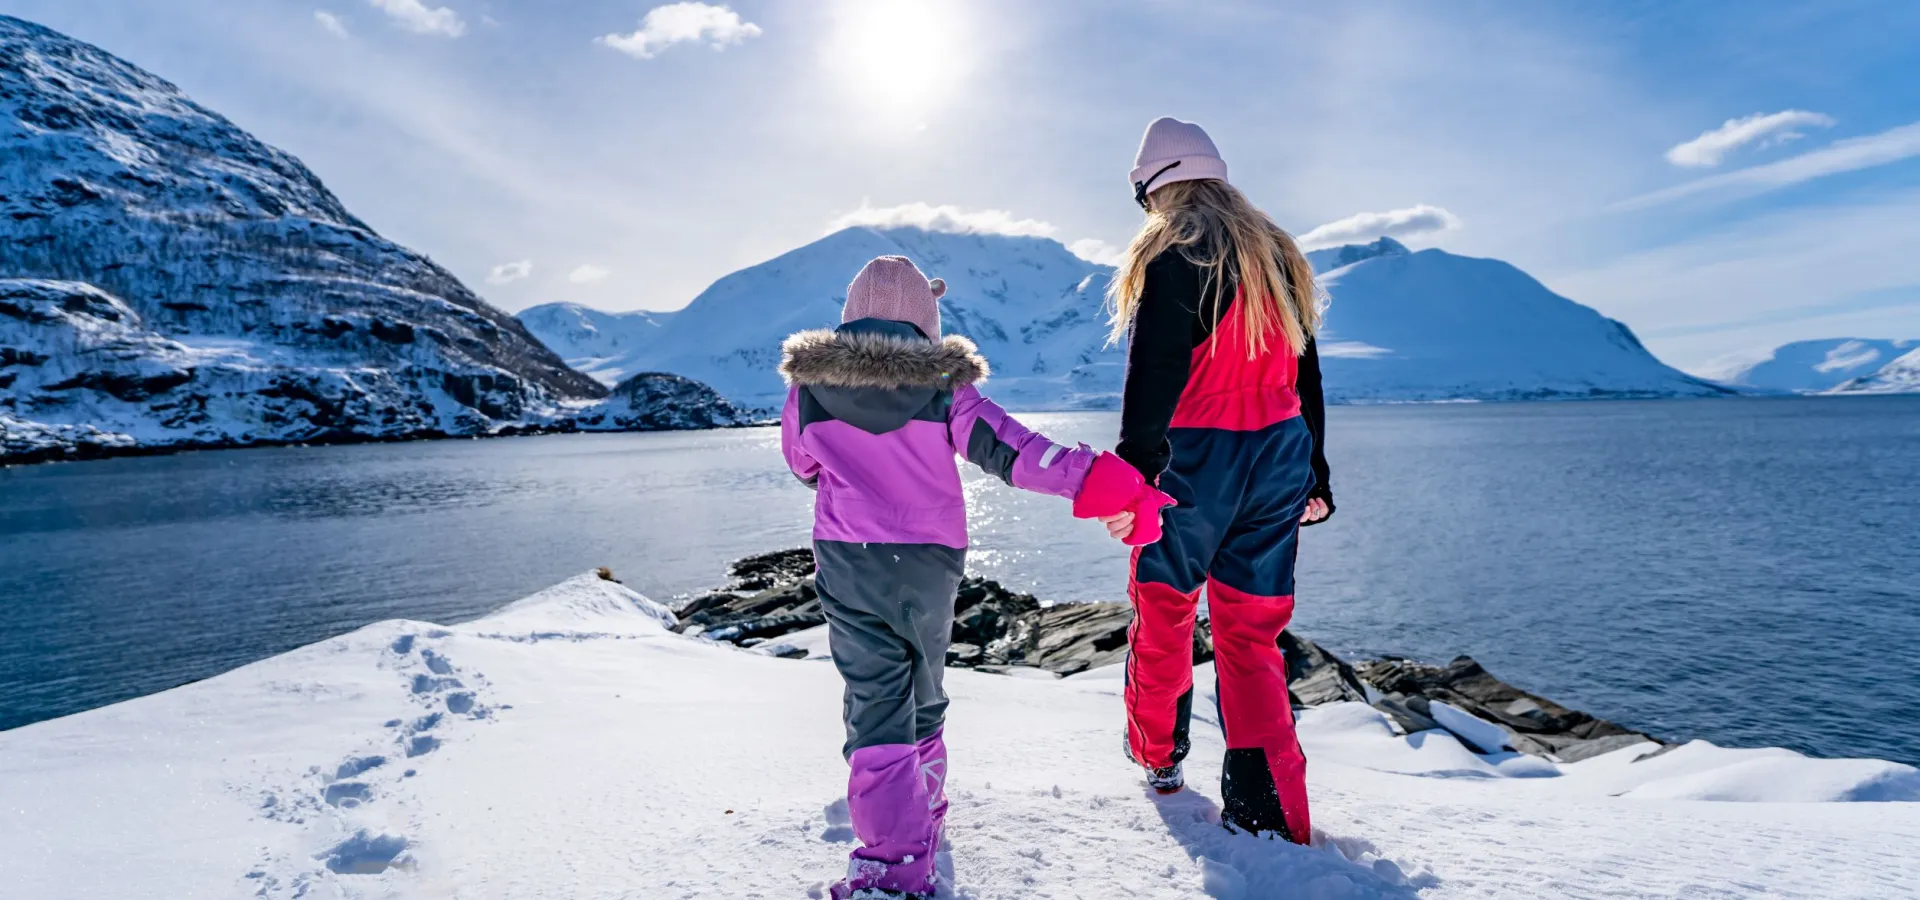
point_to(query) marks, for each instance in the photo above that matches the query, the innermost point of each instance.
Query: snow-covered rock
(571, 745)
(597, 343)
(1810, 366)
(168, 280)
(1901, 376)
(654, 401)
(1403, 326)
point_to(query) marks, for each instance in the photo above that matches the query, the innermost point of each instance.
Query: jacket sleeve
(989, 438)
(1313, 408)
(804, 466)
(1159, 361)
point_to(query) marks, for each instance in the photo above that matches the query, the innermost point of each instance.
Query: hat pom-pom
(939, 286)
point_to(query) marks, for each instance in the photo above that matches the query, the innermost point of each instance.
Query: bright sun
(904, 56)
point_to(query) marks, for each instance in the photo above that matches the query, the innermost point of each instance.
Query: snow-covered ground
(569, 745)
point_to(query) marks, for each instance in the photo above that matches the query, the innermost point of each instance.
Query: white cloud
(330, 22)
(1890, 146)
(951, 219)
(677, 23)
(588, 274)
(1413, 221)
(419, 18)
(1095, 250)
(510, 272)
(1766, 129)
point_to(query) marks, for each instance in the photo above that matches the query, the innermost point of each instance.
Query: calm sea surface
(1746, 571)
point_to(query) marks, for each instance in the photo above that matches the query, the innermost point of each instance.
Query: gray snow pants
(889, 611)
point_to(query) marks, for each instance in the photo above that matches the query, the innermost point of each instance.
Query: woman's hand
(1119, 525)
(1316, 510)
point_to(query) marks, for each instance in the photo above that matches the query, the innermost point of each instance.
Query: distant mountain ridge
(1827, 365)
(168, 280)
(1403, 326)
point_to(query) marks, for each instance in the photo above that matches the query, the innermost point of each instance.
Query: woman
(1222, 405)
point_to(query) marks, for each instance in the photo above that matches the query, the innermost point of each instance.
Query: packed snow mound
(597, 343)
(1901, 376)
(220, 293)
(572, 745)
(1808, 366)
(1403, 326)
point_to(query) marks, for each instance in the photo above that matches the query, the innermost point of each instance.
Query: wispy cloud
(588, 274)
(1765, 129)
(676, 23)
(1095, 250)
(1413, 221)
(951, 219)
(1889, 146)
(331, 23)
(419, 18)
(506, 273)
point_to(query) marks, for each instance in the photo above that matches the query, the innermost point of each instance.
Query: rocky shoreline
(772, 597)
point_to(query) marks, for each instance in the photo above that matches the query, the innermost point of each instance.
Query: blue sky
(1721, 176)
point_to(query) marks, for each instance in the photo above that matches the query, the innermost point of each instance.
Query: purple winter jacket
(875, 416)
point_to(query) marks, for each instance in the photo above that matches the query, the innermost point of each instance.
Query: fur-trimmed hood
(875, 359)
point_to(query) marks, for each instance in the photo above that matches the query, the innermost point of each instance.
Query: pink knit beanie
(891, 287)
(1169, 141)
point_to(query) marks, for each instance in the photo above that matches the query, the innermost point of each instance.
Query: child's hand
(1316, 510)
(1119, 525)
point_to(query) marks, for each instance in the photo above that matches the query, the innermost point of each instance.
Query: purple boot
(893, 818)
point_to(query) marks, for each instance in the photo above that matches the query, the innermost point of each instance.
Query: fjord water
(1737, 570)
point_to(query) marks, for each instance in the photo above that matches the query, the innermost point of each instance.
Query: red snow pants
(1235, 532)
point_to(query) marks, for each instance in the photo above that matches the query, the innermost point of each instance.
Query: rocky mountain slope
(1403, 326)
(596, 343)
(168, 280)
(1807, 367)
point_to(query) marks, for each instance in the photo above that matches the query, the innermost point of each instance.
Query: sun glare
(904, 56)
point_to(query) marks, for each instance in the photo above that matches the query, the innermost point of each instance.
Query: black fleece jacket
(1178, 307)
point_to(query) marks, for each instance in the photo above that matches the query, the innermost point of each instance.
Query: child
(876, 411)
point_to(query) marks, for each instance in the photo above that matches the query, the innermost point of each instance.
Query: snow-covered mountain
(1435, 326)
(168, 280)
(1403, 325)
(597, 343)
(1032, 306)
(1816, 366)
(571, 745)
(1901, 376)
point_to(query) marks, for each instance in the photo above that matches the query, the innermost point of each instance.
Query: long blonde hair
(1212, 222)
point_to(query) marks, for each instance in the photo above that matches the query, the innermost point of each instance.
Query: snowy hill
(597, 343)
(1901, 376)
(168, 280)
(1810, 366)
(1403, 326)
(1435, 326)
(1033, 308)
(571, 746)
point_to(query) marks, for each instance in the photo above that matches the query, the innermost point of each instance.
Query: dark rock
(1538, 725)
(757, 573)
(964, 656)
(996, 629)
(1315, 676)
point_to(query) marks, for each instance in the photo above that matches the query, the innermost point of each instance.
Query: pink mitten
(1146, 516)
(1111, 488)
